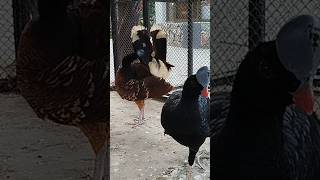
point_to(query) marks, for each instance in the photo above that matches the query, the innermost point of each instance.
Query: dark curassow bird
(271, 131)
(134, 81)
(62, 70)
(185, 114)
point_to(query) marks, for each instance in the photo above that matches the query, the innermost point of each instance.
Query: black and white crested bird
(158, 65)
(271, 130)
(133, 81)
(185, 114)
(152, 55)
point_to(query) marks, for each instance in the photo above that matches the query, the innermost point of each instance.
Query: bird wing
(219, 108)
(204, 108)
(149, 87)
(157, 87)
(302, 143)
(72, 91)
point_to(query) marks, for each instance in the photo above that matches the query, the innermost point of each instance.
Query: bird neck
(52, 13)
(255, 128)
(189, 95)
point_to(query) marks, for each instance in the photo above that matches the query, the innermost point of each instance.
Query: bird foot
(136, 123)
(199, 163)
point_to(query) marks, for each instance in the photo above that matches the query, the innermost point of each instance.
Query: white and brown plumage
(61, 71)
(158, 65)
(134, 82)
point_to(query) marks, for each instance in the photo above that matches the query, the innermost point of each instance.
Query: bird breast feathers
(158, 69)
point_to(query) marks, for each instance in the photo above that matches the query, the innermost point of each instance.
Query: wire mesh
(236, 25)
(7, 43)
(172, 16)
(14, 14)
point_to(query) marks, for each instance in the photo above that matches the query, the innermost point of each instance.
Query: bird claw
(199, 161)
(136, 123)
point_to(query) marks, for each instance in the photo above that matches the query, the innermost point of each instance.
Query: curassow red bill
(304, 98)
(205, 92)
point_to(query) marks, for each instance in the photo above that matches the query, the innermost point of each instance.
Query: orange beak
(304, 98)
(205, 92)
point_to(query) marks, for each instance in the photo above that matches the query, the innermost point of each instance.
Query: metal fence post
(256, 22)
(114, 35)
(146, 14)
(211, 42)
(190, 38)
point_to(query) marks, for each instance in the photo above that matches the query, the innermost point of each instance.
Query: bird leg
(189, 172)
(140, 119)
(99, 138)
(192, 155)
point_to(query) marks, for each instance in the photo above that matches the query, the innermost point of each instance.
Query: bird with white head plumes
(298, 49)
(158, 65)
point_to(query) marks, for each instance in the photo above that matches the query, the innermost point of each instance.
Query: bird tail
(157, 87)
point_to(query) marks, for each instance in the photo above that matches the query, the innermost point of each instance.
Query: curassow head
(197, 84)
(279, 72)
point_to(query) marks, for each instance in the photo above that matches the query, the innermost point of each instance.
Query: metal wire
(238, 26)
(14, 14)
(173, 17)
(7, 44)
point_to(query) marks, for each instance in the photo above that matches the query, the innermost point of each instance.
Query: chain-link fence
(7, 44)
(14, 14)
(187, 24)
(240, 25)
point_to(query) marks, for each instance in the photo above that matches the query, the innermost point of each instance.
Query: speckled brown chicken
(62, 68)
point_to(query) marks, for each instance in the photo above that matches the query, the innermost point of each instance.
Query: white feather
(155, 27)
(158, 69)
(161, 33)
(134, 32)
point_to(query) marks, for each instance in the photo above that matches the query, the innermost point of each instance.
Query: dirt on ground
(144, 152)
(33, 149)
